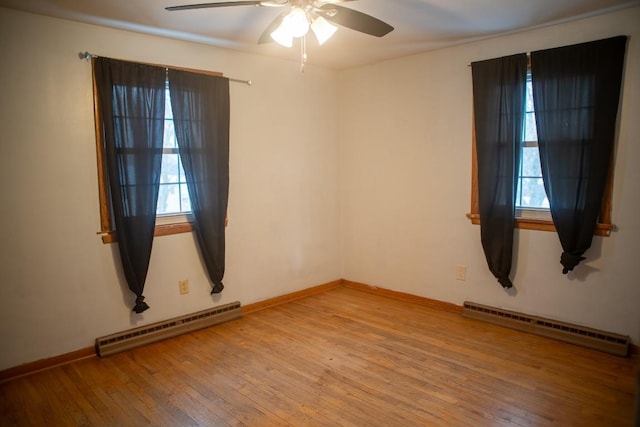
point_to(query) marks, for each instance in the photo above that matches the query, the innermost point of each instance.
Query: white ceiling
(420, 25)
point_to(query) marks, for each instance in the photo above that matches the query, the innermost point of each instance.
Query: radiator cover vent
(154, 332)
(574, 334)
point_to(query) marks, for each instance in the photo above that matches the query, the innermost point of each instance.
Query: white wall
(406, 160)
(60, 286)
(387, 174)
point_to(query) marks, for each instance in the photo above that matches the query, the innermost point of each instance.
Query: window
(173, 198)
(532, 205)
(531, 199)
(173, 195)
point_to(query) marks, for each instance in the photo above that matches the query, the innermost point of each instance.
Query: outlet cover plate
(184, 286)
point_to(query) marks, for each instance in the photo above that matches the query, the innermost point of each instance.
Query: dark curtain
(131, 99)
(576, 91)
(498, 96)
(200, 106)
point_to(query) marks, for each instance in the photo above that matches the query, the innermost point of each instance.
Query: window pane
(529, 96)
(169, 135)
(168, 199)
(169, 172)
(532, 194)
(530, 131)
(531, 162)
(185, 201)
(182, 176)
(168, 112)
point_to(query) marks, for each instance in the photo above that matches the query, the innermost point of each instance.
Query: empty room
(298, 212)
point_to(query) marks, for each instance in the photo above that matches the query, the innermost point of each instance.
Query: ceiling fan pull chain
(303, 52)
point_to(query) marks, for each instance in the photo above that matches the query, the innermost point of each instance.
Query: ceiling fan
(300, 16)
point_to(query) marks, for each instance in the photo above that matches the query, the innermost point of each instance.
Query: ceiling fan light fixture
(282, 37)
(323, 29)
(296, 22)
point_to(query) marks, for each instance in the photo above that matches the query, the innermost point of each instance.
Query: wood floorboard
(338, 358)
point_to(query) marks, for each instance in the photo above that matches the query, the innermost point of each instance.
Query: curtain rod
(87, 56)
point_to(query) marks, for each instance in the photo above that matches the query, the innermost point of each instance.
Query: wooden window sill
(161, 230)
(545, 225)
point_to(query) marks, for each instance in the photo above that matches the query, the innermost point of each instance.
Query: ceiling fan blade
(218, 4)
(355, 20)
(266, 35)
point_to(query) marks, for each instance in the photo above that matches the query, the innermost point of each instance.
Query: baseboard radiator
(154, 332)
(574, 334)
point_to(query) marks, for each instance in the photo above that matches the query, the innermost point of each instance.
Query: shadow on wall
(128, 297)
(580, 273)
(583, 270)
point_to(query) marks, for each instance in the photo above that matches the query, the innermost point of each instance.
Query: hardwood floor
(342, 357)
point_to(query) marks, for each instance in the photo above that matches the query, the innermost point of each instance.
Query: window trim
(604, 227)
(182, 224)
(529, 212)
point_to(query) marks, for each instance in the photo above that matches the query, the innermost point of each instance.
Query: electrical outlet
(461, 272)
(184, 286)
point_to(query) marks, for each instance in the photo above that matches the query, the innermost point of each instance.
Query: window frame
(165, 218)
(165, 224)
(604, 227)
(529, 212)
